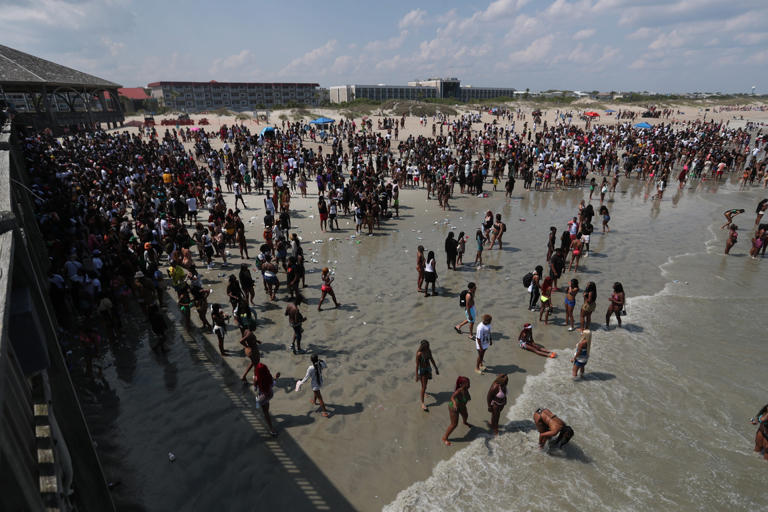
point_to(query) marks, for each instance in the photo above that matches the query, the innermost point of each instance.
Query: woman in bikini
(497, 399)
(420, 263)
(546, 298)
(526, 343)
(430, 273)
(497, 231)
(617, 304)
(729, 215)
(576, 247)
(590, 298)
(487, 225)
(326, 288)
(581, 354)
(570, 303)
(424, 363)
(458, 406)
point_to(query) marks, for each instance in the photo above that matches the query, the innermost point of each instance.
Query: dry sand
(378, 440)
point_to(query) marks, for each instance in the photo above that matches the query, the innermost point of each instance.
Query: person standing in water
(733, 237)
(497, 399)
(480, 239)
(570, 303)
(590, 303)
(761, 436)
(424, 363)
(457, 406)
(549, 426)
(581, 354)
(617, 304)
(462, 246)
(263, 384)
(315, 374)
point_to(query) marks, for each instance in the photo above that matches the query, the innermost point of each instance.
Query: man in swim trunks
(295, 319)
(469, 311)
(550, 426)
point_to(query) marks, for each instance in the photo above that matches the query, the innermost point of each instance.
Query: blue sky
(654, 45)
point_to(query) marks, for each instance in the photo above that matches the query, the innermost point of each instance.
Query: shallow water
(661, 417)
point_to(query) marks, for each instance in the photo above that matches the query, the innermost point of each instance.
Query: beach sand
(378, 440)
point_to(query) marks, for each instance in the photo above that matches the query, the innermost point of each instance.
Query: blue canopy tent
(609, 111)
(267, 130)
(643, 125)
(322, 120)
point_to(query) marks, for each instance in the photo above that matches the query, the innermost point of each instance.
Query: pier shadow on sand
(193, 393)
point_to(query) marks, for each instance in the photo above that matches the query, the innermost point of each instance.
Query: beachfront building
(443, 88)
(239, 96)
(42, 94)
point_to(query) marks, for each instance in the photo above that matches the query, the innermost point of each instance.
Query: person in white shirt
(192, 208)
(237, 188)
(483, 340)
(315, 374)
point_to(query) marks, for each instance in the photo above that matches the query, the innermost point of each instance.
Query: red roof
(133, 93)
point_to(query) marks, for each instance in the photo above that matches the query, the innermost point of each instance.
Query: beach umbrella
(322, 120)
(642, 125)
(267, 129)
(195, 128)
(609, 111)
(592, 114)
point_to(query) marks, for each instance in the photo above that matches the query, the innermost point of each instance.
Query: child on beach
(315, 374)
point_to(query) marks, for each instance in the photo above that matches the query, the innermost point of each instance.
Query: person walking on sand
(581, 354)
(469, 310)
(525, 339)
(457, 406)
(497, 399)
(315, 373)
(325, 288)
(263, 384)
(424, 363)
(420, 264)
(251, 346)
(483, 340)
(606, 218)
(617, 304)
(295, 319)
(430, 273)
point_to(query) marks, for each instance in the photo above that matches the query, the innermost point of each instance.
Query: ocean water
(661, 418)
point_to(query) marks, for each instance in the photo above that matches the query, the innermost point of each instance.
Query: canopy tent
(592, 114)
(643, 125)
(322, 120)
(267, 129)
(609, 111)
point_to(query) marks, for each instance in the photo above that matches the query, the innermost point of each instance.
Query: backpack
(463, 298)
(528, 279)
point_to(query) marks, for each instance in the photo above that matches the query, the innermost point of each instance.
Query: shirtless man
(469, 311)
(295, 318)
(550, 426)
(251, 345)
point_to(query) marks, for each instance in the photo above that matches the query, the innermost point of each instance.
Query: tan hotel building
(422, 89)
(197, 96)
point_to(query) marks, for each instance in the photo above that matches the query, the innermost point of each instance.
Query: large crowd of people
(126, 214)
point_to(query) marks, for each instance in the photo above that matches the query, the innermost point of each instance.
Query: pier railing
(47, 458)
